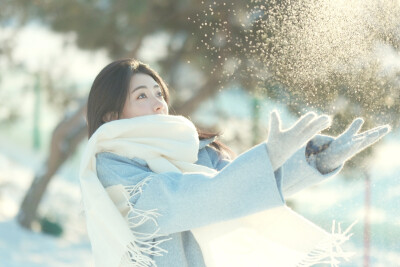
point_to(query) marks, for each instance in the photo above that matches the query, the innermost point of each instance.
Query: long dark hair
(110, 89)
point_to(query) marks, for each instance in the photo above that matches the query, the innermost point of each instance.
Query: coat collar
(203, 143)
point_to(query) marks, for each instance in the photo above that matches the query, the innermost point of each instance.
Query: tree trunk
(66, 137)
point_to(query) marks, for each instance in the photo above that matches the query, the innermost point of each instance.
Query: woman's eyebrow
(144, 87)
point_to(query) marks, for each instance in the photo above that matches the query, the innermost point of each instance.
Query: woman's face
(144, 97)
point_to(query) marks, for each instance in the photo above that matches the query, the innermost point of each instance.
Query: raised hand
(348, 144)
(282, 144)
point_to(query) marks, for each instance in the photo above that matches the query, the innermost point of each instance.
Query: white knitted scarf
(275, 237)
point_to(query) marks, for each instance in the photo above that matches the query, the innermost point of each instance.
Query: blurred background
(228, 64)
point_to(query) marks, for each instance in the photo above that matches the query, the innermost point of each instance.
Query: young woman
(159, 193)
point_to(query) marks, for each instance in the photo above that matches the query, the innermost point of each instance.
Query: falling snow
(316, 50)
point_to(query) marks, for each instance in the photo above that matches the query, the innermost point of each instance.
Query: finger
(357, 142)
(354, 127)
(382, 130)
(350, 144)
(316, 126)
(356, 145)
(385, 130)
(275, 123)
(373, 137)
(358, 138)
(319, 124)
(303, 121)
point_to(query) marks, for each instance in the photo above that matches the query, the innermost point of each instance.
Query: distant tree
(65, 138)
(311, 52)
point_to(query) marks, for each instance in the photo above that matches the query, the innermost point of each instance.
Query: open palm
(282, 144)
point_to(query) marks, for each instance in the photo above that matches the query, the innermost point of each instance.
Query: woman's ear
(110, 116)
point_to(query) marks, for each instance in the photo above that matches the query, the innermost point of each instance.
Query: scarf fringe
(329, 251)
(144, 246)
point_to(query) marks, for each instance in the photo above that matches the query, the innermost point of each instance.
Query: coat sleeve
(298, 172)
(186, 201)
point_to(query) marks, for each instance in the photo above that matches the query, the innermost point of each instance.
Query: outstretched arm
(191, 200)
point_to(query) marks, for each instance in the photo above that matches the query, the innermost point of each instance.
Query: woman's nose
(158, 105)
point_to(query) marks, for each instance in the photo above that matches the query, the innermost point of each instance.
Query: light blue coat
(186, 201)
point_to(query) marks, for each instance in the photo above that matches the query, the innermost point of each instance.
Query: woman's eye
(141, 96)
(160, 94)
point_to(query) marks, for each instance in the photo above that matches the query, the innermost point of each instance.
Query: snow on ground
(20, 247)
